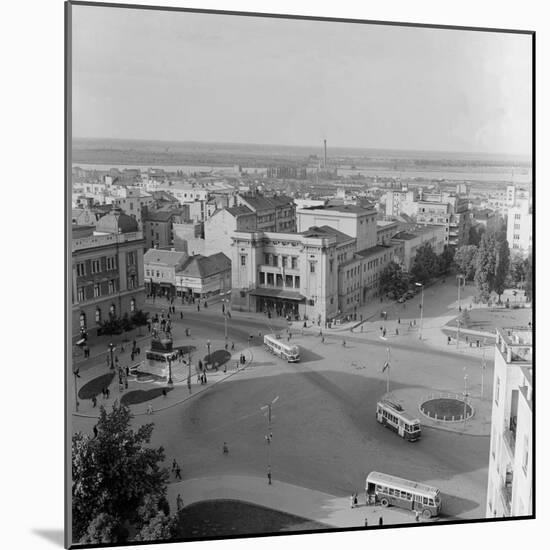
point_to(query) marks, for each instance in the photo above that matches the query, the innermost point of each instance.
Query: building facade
(408, 242)
(509, 489)
(219, 229)
(204, 276)
(273, 214)
(519, 228)
(134, 202)
(107, 272)
(160, 268)
(158, 226)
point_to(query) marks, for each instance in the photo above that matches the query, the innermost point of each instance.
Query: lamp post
(267, 410)
(111, 351)
(465, 395)
(457, 332)
(76, 375)
(460, 278)
(170, 381)
(208, 346)
(421, 309)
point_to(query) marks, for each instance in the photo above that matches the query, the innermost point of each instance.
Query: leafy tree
(111, 326)
(393, 280)
(126, 323)
(528, 269)
(139, 318)
(486, 263)
(475, 234)
(104, 529)
(160, 527)
(502, 267)
(425, 264)
(115, 474)
(465, 260)
(445, 259)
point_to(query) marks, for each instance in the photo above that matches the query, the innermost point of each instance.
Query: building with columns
(510, 482)
(107, 271)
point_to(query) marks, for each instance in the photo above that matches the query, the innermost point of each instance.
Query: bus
(394, 491)
(289, 352)
(394, 417)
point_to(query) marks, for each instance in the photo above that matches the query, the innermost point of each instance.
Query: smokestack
(325, 155)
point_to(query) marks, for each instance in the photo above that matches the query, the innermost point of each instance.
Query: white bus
(394, 417)
(395, 491)
(274, 345)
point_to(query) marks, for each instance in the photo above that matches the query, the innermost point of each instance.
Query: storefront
(277, 303)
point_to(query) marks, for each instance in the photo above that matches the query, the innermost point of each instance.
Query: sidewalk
(292, 499)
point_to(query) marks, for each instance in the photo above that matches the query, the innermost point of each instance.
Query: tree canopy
(118, 481)
(393, 280)
(465, 260)
(425, 264)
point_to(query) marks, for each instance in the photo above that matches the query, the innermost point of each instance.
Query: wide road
(325, 435)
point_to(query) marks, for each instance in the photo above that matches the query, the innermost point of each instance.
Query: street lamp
(76, 375)
(111, 350)
(421, 309)
(170, 381)
(208, 346)
(267, 409)
(465, 395)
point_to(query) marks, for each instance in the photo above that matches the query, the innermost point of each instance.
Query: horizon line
(455, 152)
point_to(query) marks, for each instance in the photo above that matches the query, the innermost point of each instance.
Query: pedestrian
(355, 500)
(225, 346)
(163, 392)
(232, 346)
(305, 324)
(150, 409)
(399, 320)
(366, 522)
(178, 472)
(108, 393)
(416, 515)
(132, 356)
(269, 476)
(198, 307)
(179, 502)
(352, 500)
(380, 520)
(322, 339)
(94, 401)
(138, 351)
(448, 340)
(225, 448)
(181, 314)
(174, 464)
(343, 343)
(133, 345)
(477, 343)
(397, 331)
(127, 371)
(95, 431)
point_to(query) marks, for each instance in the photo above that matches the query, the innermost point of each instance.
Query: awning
(276, 293)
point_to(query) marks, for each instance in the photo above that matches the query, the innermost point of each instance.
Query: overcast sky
(200, 77)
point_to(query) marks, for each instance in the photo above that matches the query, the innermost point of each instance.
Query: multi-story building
(385, 230)
(407, 242)
(219, 228)
(107, 274)
(401, 202)
(519, 229)
(134, 202)
(185, 192)
(160, 268)
(158, 226)
(204, 276)
(510, 487)
(273, 214)
(287, 172)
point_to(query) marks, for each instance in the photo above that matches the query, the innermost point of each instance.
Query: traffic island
(447, 408)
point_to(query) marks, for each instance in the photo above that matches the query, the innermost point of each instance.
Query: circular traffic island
(447, 409)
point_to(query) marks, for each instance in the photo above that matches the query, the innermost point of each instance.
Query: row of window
(112, 288)
(110, 263)
(273, 259)
(99, 315)
(276, 279)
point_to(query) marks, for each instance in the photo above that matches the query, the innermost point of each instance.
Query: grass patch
(141, 396)
(94, 387)
(218, 357)
(215, 518)
(446, 408)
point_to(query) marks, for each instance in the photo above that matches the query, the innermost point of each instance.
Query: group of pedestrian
(202, 378)
(106, 392)
(242, 359)
(354, 500)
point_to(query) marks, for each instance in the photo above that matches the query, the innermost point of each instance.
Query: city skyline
(200, 80)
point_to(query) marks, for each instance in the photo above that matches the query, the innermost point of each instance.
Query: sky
(154, 75)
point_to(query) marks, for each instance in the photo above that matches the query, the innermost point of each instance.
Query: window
(275, 260)
(297, 282)
(83, 321)
(112, 310)
(97, 316)
(266, 259)
(148, 272)
(158, 274)
(270, 279)
(132, 305)
(97, 290)
(96, 266)
(283, 261)
(517, 226)
(294, 262)
(517, 217)
(262, 278)
(331, 265)
(111, 263)
(111, 286)
(243, 259)
(80, 294)
(131, 258)
(132, 281)
(81, 269)
(312, 267)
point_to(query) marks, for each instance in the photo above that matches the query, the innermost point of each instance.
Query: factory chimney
(325, 155)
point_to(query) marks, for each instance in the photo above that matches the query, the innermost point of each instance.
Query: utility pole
(76, 375)
(421, 309)
(267, 411)
(465, 396)
(387, 369)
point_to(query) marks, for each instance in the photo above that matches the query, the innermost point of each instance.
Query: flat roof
(373, 250)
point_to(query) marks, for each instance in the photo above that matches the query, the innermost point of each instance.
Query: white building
(519, 229)
(509, 489)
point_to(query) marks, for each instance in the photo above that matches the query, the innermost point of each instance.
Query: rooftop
(326, 231)
(172, 258)
(116, 222)
(260, 202)
(373, 250)
(343, 208)
(161, 215)
(239, 210)
(201, 267)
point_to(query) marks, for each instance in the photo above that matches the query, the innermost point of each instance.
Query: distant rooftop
(172, 258)
(373, 250)
(239, 210)
(326, 231)
(344, 208)
(261, 202)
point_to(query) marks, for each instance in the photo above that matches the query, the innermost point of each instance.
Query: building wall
(219, 283)
(519, 229)
(220, 227)
(188, 238)
(509, 483)
(118, 283)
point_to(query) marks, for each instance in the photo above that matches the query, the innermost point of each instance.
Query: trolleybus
(290, 353)
(395, 491)
(393, 416)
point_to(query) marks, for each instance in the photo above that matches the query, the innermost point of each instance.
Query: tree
(475, 234)
(114, 474)
(528, 269)
(486, 266)
(393, 280)
(445, 259)
(502, 266)
(425, 264)
(160, 527)
(139, 318)
(465, 260)
(104, 529)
